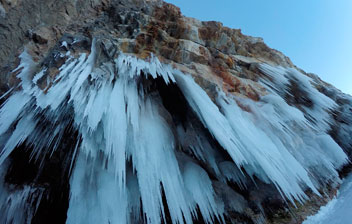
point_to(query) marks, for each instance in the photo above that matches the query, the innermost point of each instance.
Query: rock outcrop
(255, 101)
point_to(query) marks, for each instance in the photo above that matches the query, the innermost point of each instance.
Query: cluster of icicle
(128, 156)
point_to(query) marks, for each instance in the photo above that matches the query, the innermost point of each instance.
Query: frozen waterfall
(139, 155)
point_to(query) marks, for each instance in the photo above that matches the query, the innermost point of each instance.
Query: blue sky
(315, 34)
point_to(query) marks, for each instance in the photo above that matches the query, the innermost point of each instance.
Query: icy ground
(338, 210)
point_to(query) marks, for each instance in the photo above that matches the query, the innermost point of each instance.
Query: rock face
(128, 112)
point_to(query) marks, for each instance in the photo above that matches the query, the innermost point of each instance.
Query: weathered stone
(41, 35)
(216, 56)
(2, 11)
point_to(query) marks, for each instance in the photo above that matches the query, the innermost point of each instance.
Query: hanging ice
(130, 155)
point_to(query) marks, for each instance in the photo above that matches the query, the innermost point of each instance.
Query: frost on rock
(290, 83)
(133, 161)
(338, 209)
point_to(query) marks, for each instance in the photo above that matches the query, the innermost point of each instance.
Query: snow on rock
(338, 210)
(130, 157)
(286, 82)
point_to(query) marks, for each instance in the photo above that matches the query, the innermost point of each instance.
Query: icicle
(23, 129)
(266, 156)
(95, 196)
(127, 159)
(200, 190)
(280, 82)
(11, 110)
(17, 205)
(115, 129)
(154, 161)
(210, 116)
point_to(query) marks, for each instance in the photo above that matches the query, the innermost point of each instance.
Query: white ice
(338, 210)
(128, 157)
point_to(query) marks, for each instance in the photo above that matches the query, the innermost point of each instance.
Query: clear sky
(315, 34)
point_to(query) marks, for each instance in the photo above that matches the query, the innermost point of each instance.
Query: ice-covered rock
(140, 115)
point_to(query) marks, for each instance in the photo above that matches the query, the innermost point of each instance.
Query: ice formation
(338, 209)
(131, 155)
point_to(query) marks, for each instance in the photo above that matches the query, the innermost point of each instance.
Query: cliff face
(128, 112)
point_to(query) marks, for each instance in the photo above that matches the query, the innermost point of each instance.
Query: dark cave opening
(173, 100)
(50, 173)
(181, 112)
